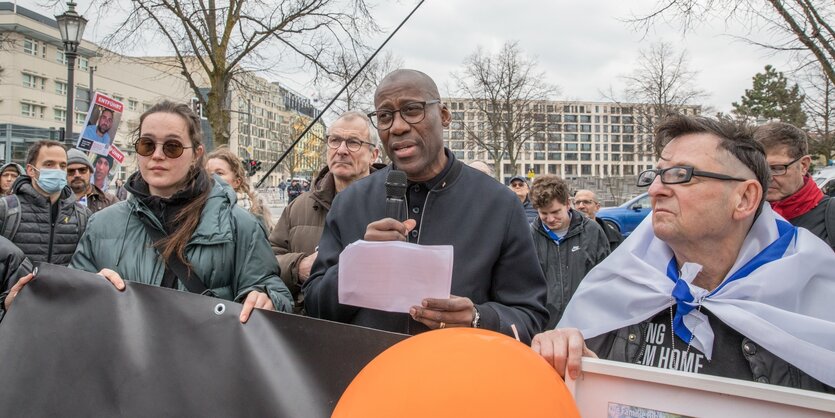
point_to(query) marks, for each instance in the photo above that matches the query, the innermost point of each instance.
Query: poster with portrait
(104, 167)
(101, 125)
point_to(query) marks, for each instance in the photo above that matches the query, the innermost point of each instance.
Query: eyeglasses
(171, 148)
(678, 175)
(81, 171)
(354, 145)
(517, 184)
(412, 113)
(780, 169)
(585, 202)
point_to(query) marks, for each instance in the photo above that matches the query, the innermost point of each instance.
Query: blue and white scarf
(778, 293)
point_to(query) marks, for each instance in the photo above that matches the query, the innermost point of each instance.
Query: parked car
(626, 217)
(825, 179)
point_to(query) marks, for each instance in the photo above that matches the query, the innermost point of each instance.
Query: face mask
(52, 180)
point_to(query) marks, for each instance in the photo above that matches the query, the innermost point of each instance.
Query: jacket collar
(23, 186)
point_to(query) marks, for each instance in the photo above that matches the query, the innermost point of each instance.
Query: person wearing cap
(519, 185)
(79, 171)
(9, 172)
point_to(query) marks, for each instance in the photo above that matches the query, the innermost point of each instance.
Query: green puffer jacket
(229, 250)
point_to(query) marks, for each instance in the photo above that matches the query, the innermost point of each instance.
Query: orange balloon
(457, 372)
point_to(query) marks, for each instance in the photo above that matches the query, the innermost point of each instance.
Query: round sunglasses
(171, 148)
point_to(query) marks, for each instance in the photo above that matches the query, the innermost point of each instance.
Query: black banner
(73, 345)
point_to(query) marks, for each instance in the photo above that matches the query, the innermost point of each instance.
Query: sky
(584, 47)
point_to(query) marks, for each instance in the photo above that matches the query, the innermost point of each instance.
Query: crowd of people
(730, 275)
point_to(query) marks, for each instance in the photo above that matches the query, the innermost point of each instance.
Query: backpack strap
(829, 220)
(10, 216)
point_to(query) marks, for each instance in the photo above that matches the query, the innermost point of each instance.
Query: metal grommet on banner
(220, 309)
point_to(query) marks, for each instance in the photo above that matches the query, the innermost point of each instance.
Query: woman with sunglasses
(181, 228)
(226, 165)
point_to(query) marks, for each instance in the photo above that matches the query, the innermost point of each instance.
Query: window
(585, 147)
(61, 89)
(570, 118)
(60, 57)
(33, 81)
(133, 104)
(571, 147)
(59, 114)
(569, 127)
(31, 110)
(585, 119)
(118, 98)
(83, 63)
(539, 156)
(585, 169)
(585, 128)
(556, 156)
(79, 117)
(30, 46)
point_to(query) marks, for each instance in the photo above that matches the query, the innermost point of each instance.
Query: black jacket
(38, 236)
(612, 234)
(628, 345)
(815, 220)
(13, 266)
(565, 264)
(495, 265)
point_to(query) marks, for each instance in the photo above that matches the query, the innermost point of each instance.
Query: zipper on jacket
(51, 238)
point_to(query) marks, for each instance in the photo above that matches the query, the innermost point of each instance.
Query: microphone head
(396, 184)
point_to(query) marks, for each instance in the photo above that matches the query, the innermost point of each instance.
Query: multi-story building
(569, 139)
(33, 85)
(265, 117)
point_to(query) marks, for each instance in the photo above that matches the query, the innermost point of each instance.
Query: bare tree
(212, 42)
(819, 106)
(803, 26)
(660, 85)
(360, 94)
(6, 44)
(505, 89)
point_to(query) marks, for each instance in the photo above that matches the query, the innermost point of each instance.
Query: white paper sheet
(393, 276)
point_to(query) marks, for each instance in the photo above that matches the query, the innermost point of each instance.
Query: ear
(805, 163)
(374, 154)
(446, 116)
(30, 170)
(748, 196)
(198, 152)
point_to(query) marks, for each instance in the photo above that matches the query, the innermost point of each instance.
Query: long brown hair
(189, 216)
(225, 154)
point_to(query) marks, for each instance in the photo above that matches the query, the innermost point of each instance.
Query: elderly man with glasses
(713, 282)
(496, 281)
(352, 149)
(792, 192)
(585, 201)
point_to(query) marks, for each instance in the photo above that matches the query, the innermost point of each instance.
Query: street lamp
(71, 25)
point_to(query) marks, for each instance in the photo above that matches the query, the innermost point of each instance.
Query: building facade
(33, 86)
(569, 139)
(265, 117)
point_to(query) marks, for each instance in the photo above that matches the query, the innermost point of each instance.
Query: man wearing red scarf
(792, 192)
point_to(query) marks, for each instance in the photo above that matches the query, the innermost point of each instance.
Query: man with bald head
(496, 281)
(585, 201)
(713, 282)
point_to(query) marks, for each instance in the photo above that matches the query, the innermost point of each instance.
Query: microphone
(396, 195)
